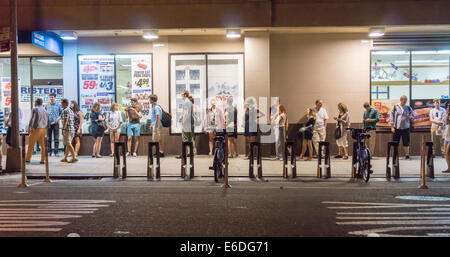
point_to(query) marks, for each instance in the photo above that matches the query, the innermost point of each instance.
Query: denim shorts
(134, 129)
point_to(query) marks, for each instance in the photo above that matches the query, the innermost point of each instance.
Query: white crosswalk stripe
(44, 215)
(412, 219)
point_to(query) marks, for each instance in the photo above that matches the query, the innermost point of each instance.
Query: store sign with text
(141, 70)
(96, 81)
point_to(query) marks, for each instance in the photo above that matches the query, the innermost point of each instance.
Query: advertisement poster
(225, 81)
(422, 110)
(142, 82)
(96, 81)
(384, 108)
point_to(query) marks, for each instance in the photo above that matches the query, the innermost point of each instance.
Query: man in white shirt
(320, 127)
(437, 115)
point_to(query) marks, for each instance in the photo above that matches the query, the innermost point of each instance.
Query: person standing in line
(78, 123)
(156, 123)
(343, 122)
(187, 121)
(307, 131)
(370, 119)
(96, 131)
(196, 118)
(400, 119)
(213, 123)
(134, 115)
(68, 131)
(280, 124)
(437, 118)
(54, 111)
(114, 121)
(231, 127)
(447, 141)
(2, 126)
(37, 129)
(252, 114)
(320, 127)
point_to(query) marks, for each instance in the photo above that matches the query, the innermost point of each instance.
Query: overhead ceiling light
(158, 44)
(365, 41)
(389, 52)
(376, 32)
(68, 35)
(150, 34)
(49, 61)
(233, 33)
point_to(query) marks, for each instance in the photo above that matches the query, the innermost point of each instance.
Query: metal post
(422, 165)
(23, 178)
(430, 160)
(319, 161)
(225, 177)
(354, 159)
(116, 161)
(293, 164)
(396, 161)
(327, 160)
(124, 158)
(150, 161)
(259, 161)
(388, 161)
(47, 172)
(13, 154)
(251, 160)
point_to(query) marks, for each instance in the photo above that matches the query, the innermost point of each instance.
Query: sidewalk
(170, 166)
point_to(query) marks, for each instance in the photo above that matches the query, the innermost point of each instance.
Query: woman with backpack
(114, 121)
(307, 131)
(98, 128)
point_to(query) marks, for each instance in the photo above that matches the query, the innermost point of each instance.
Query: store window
(187, 72)
(226, 80)
(390, 75)
(47, 67)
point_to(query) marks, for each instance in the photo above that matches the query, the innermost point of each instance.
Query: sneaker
(128, 154)
(209, 154)
(338, 156)
(345, 158)
(407, 157)
(134, 154)
(161, 154)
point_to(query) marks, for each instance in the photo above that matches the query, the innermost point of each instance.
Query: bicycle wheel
(366, 167)
(218, 171)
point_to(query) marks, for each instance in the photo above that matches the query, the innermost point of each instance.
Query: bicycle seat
(364, 135)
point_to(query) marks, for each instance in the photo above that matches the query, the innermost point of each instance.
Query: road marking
(44, 215)
(434, 219)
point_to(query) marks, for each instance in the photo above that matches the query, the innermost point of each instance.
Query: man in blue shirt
(54, 110)
(437, 115)
(156, 123)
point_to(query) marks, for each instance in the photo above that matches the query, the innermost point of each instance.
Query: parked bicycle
(219, 157)
(362, 154)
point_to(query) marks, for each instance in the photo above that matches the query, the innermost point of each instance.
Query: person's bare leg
(346, 151)
(94, 148)
(136, 143)
(406, 149)
(99, 145)
(129, 143)
(77, 146)
(211, 141)
(447, 155)
(303, 148)
(112, 139)
(310, 148)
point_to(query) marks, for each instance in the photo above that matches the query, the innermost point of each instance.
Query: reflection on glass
(430, 74)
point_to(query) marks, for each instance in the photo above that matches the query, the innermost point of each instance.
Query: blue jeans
(53, 130)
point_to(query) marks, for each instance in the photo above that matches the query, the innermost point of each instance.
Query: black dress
(308, 134)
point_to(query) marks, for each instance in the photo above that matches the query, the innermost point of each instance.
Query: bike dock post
(23, 168)
(185, 145)
(430, 160)
(354, 159)
(47, 172)
(289, 146)
(225, 175)
(252, 159)
(320, 166)
(395, 160)
(150, 161)
(117, 146)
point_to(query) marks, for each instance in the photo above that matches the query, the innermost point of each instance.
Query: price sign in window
(96, 81)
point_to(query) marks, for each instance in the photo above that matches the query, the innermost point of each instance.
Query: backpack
(166, 118)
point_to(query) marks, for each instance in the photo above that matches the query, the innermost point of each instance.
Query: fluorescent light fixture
(68, 35)
(150, 34)
(365, 41)
(444, 52)
(389, 52)
(49, 61)
(233, 33)
(376, 32)
(158, 44)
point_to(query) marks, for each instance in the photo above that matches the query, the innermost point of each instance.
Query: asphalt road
(305, 207)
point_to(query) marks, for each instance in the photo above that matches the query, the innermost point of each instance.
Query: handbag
(338, 132)
(102, 124)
